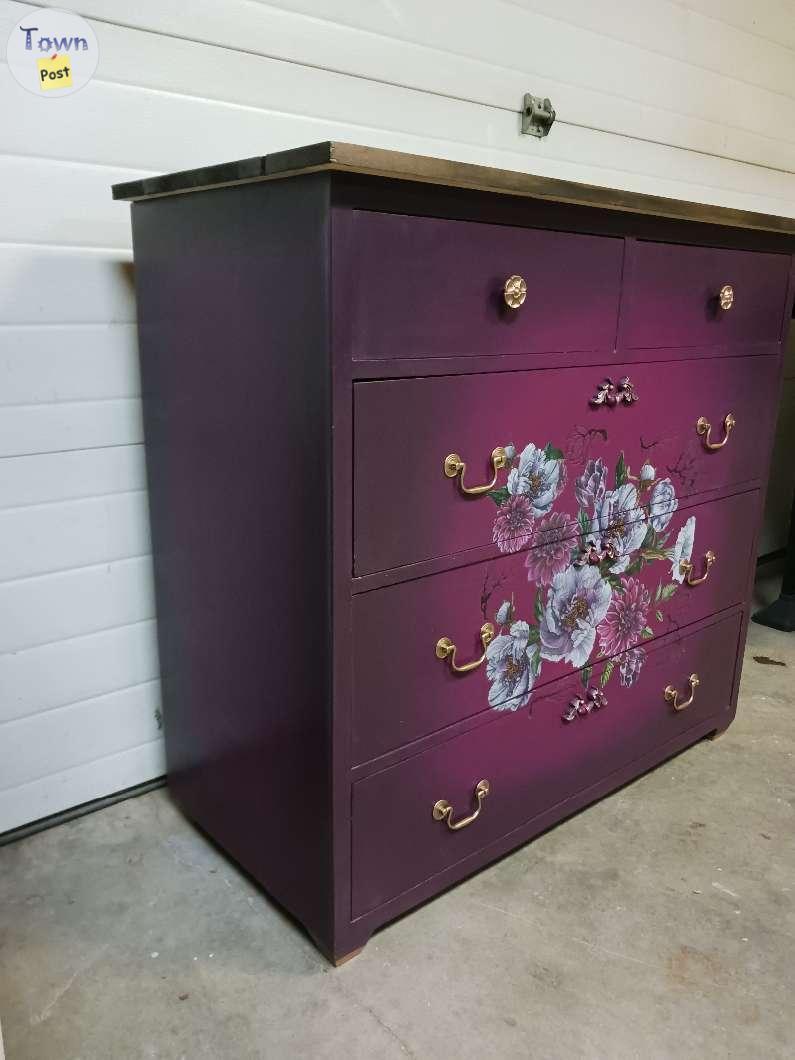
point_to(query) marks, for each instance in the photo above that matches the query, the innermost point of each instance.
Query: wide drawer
(403, 691)
(531, 762)
(425, 287)
(407, 509)
(698, 296)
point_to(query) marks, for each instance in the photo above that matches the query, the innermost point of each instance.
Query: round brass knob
(726, 296)
(515, 291)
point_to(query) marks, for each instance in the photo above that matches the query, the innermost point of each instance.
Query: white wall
(692, 99)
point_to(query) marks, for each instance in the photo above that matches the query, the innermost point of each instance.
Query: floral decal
(577, 601)
(590, 605)
(537, 477)
(513, 662)
(590, 486)
(553, 548)
(513, 527)
(615, 525)
(626, 617)
(683, 548)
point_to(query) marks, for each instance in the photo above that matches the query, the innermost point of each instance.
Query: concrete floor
(658, 923)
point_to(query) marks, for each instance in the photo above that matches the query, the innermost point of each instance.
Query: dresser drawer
(406, 509)
(402, 691)
(673, 296)
(530, 761)
(425, 287)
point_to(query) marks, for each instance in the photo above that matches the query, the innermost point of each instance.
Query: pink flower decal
(625, 620)
(513, 526)
(552, 552)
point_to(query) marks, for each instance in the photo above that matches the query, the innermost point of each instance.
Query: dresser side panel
(232, 289)
(767, 456)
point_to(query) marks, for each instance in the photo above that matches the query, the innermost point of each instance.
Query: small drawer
(407, 509)
(426, 287)
(698, 564)
(530, 762)
(701, 296)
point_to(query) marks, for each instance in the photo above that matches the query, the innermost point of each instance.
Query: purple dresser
(455, 478)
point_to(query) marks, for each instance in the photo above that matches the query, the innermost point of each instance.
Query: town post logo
(52, 53)
(54, 73)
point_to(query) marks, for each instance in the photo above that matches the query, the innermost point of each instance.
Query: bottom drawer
(531, 760)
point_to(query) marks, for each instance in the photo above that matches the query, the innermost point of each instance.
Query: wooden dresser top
(333, 156)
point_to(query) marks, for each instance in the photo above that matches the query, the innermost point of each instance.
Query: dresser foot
(339, 961)
(717, 733)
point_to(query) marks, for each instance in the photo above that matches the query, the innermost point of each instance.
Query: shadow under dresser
(455, 480)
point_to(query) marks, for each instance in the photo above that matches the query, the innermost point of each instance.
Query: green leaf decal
(535, 664)
(534, 635)
(499, 496)
(539, 605)
(551, 453)
(585, 675)
(650, 540)
(653, 553)
(636, 565)
(622, 474)
(658, 615)
(607, 673)
(667, 591)
(583, 524)
(647, 632)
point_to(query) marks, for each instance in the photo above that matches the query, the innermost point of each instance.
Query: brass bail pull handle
(704, 428)
(445, 649)
(686, 568)
(454, 466)
(672, 694)
(443, 811)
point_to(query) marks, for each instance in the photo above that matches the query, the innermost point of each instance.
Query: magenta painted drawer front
(532, 760)
(404, 692)
(424, 287)
(406, 510)
(671, 296)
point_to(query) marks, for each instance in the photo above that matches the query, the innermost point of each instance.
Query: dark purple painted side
(404, 429)
(427, 287)
(671, 296)
(532, 759)
(767, 455)
(347, 937)
(234, 354)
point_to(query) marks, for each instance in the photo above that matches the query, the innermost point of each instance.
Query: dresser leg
(339, 961)
(716, 735)
(330, 949)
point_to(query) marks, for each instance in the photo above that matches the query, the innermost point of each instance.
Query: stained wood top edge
(336, 156)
